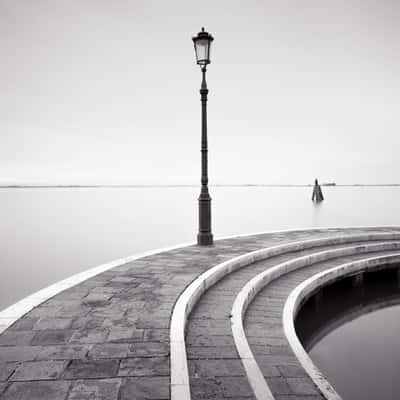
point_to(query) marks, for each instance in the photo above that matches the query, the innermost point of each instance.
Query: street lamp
(202, 45)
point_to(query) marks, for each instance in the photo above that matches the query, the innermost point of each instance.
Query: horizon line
(328, 184)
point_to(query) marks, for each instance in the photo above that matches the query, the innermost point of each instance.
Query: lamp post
(202, 45)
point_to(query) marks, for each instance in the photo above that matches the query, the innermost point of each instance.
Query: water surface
(50, 234)
(352, 335)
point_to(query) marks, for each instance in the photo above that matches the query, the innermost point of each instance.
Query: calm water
(50, 234)
(352, 335)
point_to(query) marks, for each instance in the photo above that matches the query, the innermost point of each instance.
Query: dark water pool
(353, 335)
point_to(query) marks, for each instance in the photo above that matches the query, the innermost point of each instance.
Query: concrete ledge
(180, 384)
(301, 292)
(255, 285)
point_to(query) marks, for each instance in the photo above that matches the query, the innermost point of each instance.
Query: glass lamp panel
(202, 51)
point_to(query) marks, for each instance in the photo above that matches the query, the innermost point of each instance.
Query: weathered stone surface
(3, 386)
(6, 369)
(63, 352)
(292, 371)
(52, 337)
(82, 369)
(236, 386)
(18, 353)
(110, 350)
(39, 390)
(52, 323)
(194, 352)
(145, 388)
(38, 370)
(156, 335)
(302, 386)
(144, 366)
(95, 297)
(88, 322)
(93, 389)
(89, 336)
(209, 388)
(125, 334)
(16, 338)
(23, 324)
(279, 386)
(149, 349)
(216, 368)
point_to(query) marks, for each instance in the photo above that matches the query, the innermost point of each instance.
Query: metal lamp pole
(202, 43)
(204, 236)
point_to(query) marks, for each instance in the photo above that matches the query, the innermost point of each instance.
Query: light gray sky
(97, 90)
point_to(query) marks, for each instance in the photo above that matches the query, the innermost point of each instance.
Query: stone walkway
(264, 330)
(108, 337)
(213, 360)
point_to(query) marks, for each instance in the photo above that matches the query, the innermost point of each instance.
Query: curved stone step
(302, 291)
(180, 382)
(255, 285)
(266, 310)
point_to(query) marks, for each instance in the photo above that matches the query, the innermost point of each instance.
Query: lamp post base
(205, 239)
(204, 236)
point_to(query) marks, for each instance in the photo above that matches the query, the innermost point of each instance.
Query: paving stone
(88, 322)
(3, 386)
(292, 371)
(6, 369)
(23, 324)
(52, 323)
(210, 389)
(94, 297)
(209, 340)
(89, 336)
(73, 311)
(16, 338)
(63, 352)
(20, 353)
(216, 368)
(279, 386)
(110, 350)
(39, 390)
(38, 370)
(52, 337)
(83, 369)
(195, 353)
(122, 334)
(45, 311)
(150, 323)
(93, 389)
(302, 386)
(144, 366)
(236, 386)
(149, 349)
(145, 388)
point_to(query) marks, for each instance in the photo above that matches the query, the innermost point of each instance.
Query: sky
(97, 91)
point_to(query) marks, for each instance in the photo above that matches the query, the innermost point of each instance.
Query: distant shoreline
(76, 186)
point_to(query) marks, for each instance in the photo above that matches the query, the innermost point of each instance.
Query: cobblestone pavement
(108, 337)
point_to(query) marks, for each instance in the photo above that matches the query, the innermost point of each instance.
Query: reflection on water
(352, 335)
(50, 234)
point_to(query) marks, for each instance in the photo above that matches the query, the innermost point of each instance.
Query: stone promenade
(108, 337)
